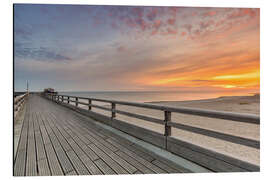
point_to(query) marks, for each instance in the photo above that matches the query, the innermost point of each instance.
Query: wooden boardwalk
(57, 141)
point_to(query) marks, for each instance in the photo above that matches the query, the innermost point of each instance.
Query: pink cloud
(242, 12)
(188, 27)
(206, 24)
(152, 14)
(154, 32)
(183, 33)
(173, 11)
(172, 31)
(114, 25)
(210, 13)
(157, 24)
(121, 49)
(171, 21)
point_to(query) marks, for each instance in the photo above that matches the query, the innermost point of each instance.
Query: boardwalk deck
(57, 141)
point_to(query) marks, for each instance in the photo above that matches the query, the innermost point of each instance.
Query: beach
(242, 104)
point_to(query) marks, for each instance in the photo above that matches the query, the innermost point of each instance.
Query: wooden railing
(168, 124)
(19, 102)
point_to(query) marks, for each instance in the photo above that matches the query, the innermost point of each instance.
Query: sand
(243, 104)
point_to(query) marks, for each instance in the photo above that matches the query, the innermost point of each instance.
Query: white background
(6, 69)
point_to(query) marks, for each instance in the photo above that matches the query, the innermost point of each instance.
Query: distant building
(49, 90)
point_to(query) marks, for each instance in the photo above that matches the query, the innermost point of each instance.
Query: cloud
(200, 80)
(157, 24)
(113, 60)
(205, 24)
(39, 54)
(152, 14)
(172, 31)
(121, 48)
(243, 12)
(188, 27)
(171, 21)
(22, 32)
(210, 13)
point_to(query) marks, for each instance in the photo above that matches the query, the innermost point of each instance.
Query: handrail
(238, 117)
(18, 102)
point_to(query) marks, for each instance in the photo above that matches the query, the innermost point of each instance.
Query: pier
(58, 137)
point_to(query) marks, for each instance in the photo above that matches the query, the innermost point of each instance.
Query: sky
(136, 48)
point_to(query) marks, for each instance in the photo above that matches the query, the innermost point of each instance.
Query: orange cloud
(210, 13)
(171, 21)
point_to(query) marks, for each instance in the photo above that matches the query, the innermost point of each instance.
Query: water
(150, 96)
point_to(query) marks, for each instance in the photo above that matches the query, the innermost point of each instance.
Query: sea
(151, 96)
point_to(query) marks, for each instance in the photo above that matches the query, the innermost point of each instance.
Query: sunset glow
(102, 48)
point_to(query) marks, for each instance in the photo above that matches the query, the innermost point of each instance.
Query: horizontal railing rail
(19, 102)
(238, 117)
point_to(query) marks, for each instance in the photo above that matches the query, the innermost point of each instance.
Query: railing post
(113, 111)
(89, 104)
(76, 101)
(62, 98)
(168, 129)
(68, 99)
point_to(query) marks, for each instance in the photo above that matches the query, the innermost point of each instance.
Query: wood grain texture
(57, 141)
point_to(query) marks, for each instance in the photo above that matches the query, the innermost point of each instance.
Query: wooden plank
(92, 168)
(91, 154)
(76, 148)
(41, 154)
(77, 163)
(103, 142)
(116, 167)
(62, 140)
(128, 167)
(71, 173)
(43, 168)
(31, 166)
(90, 165)
(42, 162)
(138, 172)
(138, 158)
(104, 167)
(54, 164)
(64, 161)
(143, 169)
(62, 157)
(19, 166)
(91, 137)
